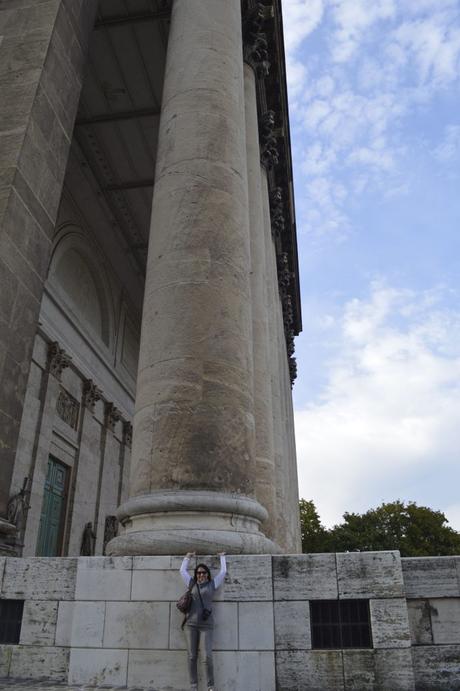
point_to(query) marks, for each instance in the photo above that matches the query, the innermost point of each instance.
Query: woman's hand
(221, 554)
(189, 555)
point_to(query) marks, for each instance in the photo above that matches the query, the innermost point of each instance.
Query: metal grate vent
(340, 624)
(10, 620)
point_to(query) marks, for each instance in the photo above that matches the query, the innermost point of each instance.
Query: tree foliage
(414, 530)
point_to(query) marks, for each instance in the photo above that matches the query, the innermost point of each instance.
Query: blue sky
(374, 91)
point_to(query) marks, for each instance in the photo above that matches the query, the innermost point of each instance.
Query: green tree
(314, 534)
(414, 530)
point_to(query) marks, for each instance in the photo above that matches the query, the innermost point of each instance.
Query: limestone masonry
(149, 301)
(113, 621)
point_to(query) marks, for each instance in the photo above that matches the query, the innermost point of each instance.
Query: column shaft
(265, 466)
(193, 432)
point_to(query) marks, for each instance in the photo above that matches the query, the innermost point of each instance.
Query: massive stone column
(42, 55)
(192, 480)
(265, 465)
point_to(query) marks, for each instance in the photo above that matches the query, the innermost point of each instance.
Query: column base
(176, 522)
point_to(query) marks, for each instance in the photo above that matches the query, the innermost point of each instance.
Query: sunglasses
(201, 573)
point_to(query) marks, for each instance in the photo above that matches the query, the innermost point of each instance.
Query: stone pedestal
(192, 482)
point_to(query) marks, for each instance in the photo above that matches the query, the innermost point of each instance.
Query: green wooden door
(53, 510)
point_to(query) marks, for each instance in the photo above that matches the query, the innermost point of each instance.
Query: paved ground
(44, 685)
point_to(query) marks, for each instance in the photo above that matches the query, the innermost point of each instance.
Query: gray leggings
(193, 634)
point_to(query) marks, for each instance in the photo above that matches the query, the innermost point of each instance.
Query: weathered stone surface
(292, 625)
(431, 577)
(445, 620)
(39, 579)
(39, 622)
(317, 670)
(419, 612)
(156, 585)
(98, 667)
(6, 652)
(136, 625)
(244, 670)
(234, 671)
(158, 668)
(80, 624)
(305, 577)
(249, 578)
(369, 574)
(382, 670)
(390, 624)
(37, 662)
(103, 578)
(437, 667)
(161, 563)
(256, 626)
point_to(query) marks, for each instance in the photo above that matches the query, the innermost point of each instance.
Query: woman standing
(200, 620)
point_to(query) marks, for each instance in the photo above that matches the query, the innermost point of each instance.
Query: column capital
(91, 394)
(58, 360)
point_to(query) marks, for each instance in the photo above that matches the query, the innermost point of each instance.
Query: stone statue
(88, 541)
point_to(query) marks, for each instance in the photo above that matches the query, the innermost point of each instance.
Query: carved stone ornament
(111, 416)
(127, 433)
(269, 153)
(88, 541)
(277, 213)
(91, 394)
(255, 45)
(110, 529)
(18, 506)
(68, 409)
(58, 360)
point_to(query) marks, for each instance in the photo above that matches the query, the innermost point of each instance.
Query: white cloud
(300, 18)
(386, 424)
(353, 19)
(449, 148)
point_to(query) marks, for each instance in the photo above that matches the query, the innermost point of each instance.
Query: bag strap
(191, 585)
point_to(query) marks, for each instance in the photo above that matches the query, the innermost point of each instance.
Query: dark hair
(202, 566)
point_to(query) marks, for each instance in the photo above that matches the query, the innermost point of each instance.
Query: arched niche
(77, 279)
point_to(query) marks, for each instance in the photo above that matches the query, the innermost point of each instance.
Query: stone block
(98, 667)
(390, 623)
(35, 662)
(292, 625)
(368, 670)
(226, 625)
(158, 669)
(445, 620)
(157, 585)
(39, 622)
(249, 578)
(256, 626)
(80, 624)
(103, 578)
(152, 564)
(136, 625)
(318, 670)
(37, 578)
(437, 667)
(420, 622)
(6, 652)
(305, 577)
(252, 671)
(426, 577)
(369, 574)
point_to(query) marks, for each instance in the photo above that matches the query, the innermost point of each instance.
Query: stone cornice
(264, 51)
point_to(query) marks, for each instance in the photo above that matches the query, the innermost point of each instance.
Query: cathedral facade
(149, 274)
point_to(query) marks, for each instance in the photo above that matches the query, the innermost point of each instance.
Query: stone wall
(433, 600)
(113, 621)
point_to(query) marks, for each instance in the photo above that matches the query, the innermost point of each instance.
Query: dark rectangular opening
(10, 620)
(340, 624)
